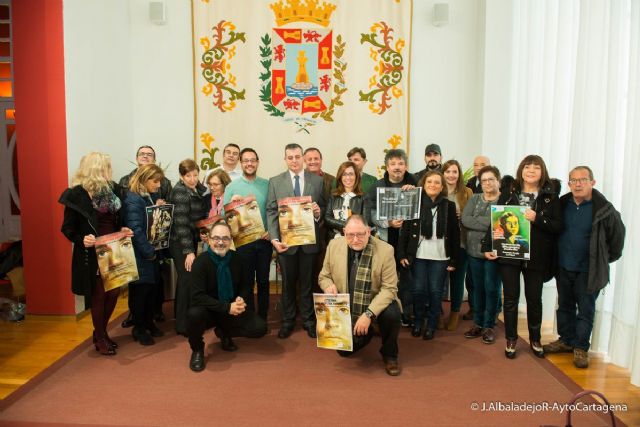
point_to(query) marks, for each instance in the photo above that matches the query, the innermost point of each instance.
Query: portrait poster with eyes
(295, 218)
(394, 203)
(245, 220)
(116, 260)
(510, 232)
(159, 220)
(204, 227)
(333, 321)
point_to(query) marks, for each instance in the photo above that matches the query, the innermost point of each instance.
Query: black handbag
(577, 397)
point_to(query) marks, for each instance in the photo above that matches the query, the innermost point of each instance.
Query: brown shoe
(452, 324)
(488, 336)
(557, 346)
(392, 367)
(474, 332)
(580, 358)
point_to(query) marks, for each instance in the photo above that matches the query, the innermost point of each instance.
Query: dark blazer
(204, 283)
(80, 219)
(544, 231)
(335, 226)
(410, 235)
(188, 208)
(135, 217)
(474, 185)
(280, 187)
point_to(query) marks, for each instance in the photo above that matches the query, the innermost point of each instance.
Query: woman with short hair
(217, 182)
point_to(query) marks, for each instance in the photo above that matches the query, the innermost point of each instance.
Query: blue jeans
(574, 326)
(256, 259)
(428, 278)
(456, 280)
(486, 291)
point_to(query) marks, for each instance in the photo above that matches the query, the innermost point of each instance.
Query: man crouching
(218, 298)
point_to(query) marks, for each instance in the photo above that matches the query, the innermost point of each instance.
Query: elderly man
(474, 182)
(363, 267)
(358, 156)
(593, 237)
(218, 296)
(432, 159)
(296, 262)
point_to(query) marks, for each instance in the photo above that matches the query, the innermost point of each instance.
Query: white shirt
(432, 248)
(301, 180)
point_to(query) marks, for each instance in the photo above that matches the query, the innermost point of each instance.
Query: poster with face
(511, 232)
(245, 221)
(116, 260)
(295, 217)
(333, 326)
(159, 220)
(204, 227)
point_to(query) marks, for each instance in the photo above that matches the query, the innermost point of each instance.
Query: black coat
(188, 209)
(80, 219)
(410, 235)
(135, 217)
(335, 226)
(544, 232)
(204, 283)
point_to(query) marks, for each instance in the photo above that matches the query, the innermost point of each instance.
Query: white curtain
(574, 98)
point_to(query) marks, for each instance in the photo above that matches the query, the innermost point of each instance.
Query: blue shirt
(243, 187)
(573, 243)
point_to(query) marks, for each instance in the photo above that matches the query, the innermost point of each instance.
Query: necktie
(353, 272)
(296, 187)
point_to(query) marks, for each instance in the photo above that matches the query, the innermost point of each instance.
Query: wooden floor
(29, 347)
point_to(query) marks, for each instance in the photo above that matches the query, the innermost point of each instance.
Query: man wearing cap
(433, 160)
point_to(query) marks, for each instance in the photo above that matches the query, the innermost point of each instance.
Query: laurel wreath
(265, 90)
(339, 67)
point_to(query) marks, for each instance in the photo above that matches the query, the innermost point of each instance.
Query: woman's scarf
(426, 214)
(106, 201)
(216, 209)
(223, 275)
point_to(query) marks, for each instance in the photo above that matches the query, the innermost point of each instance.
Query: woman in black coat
(429, 246)
(143, 183)
(189, 207)
(92, 208)
(346, 199)
(532, 188)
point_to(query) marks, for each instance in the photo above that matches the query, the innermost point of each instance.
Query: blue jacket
(135, 217)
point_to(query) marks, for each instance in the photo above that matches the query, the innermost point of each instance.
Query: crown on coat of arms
(302, 10)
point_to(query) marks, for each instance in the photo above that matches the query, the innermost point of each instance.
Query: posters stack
(204, 227)
(245, 220)
(333, 326)
(394, 203)
(159, 220)
(116, 260)
(511, 232)
(295, 218)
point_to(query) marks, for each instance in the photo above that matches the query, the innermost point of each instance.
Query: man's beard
(220, 251)
(433, 165)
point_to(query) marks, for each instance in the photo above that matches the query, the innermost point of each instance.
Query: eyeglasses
(574, 181)
(348, 174)
(351, 236)
(487, 180)
(225, 239)
(141, 154)
(249, 161)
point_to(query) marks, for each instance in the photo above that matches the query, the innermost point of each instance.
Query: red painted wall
(38, 53)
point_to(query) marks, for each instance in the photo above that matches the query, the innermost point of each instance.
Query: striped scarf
(362, 289)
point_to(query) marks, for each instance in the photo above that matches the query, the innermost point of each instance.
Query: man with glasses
(218, 295)
(296, 262)
(146, 155)
(593, 237)
(363, 267)
(256, 255)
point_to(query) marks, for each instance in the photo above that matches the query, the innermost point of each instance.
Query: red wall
(38, 53)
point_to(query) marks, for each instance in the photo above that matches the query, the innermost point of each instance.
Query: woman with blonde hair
(92, 207)
(145, 181)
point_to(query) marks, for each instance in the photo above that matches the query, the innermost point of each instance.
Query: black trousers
(199, 319)
(297, 267)
(389, 323)
(533, 281)
(141, 303)
(183, 290)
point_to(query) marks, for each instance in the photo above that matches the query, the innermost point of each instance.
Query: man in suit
(296, 262)
(474, 182)
(364, 267)
(218, 296)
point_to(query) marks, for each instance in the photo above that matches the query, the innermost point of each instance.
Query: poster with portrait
(245, 220)
(159, 220)
(204, 227)
(295, 218)
(333, 321)
(116, 260)
(510, 232)
(394, 203)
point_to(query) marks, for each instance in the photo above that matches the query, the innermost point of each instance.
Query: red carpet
(289, 382)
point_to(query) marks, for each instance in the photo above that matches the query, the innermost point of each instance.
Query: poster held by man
(394, 203)
(296, 221)
(333, 321)
(244, 219)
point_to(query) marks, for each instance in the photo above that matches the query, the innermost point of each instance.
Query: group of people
(395, 271)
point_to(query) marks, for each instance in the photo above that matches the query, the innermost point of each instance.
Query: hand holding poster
(295, 218)
(511, 232)
(245, 221)
(333, 321)
(394, 203)
(116, 260)
(159, 220)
